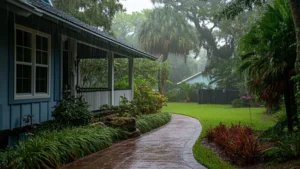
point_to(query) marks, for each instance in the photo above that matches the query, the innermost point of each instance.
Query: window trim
(33, 94)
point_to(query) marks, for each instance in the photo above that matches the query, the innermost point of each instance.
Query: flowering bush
(148, 101)
(246, 100)
(145, 101)
(239, 143)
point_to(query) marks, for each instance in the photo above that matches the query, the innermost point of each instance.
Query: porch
(100, 76)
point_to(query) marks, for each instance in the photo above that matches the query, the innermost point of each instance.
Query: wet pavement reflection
(169, 147)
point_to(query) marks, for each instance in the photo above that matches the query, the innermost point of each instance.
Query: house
(41, 48)
(197, 78)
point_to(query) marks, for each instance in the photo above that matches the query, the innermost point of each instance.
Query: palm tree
(295, 6)
(268, 57)
(237, 6)
(166, 31)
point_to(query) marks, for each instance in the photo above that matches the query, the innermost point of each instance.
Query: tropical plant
(287, 147)
(238, 142)
(268, 55)
(189, 89)
(166, 31)
(237, 6)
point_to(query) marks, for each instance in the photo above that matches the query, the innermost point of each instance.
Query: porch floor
(167, 147)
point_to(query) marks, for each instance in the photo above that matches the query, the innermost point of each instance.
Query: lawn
(212, 115)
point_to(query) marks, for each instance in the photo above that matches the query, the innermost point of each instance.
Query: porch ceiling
(85, 51)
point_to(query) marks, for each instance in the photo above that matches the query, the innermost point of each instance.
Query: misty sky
(136, 5)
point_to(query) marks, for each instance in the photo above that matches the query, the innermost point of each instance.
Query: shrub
(275, 132)
(239, 143)
(50, 125)
(52, 149)
(126, 123)
(236, 103)
(246, 100)
(4, 159)
(148, 101)
(125, 109)
(145, 101)
(72, 111)
(173, 95)
(151, 121)
(210, 135)
(286, 148)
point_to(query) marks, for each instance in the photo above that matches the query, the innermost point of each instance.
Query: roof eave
(189, 78)
(41, 12)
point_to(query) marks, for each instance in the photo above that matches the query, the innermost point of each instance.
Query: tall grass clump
(53, 149)
(151, 121)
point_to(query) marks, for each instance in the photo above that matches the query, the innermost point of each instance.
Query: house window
(32, 63)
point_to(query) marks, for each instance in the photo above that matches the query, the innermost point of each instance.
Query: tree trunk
(288, 110)
(290, 102)
(293, 103)
(295, 6)
(163, 76)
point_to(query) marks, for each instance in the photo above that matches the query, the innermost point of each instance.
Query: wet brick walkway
(169, 147)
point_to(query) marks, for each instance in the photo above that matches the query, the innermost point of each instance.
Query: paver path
(167, 147)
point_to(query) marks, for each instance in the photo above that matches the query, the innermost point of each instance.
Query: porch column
(131, 76)
(111, 77)
(73, 68)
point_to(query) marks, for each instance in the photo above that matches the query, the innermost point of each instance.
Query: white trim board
(33, 64)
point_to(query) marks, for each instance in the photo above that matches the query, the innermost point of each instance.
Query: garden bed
(246, 149)
(52, 149)
(210, 116)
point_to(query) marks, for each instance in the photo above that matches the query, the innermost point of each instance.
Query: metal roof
(46, 9)
(189, 78)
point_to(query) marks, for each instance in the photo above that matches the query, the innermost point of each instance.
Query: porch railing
(96, 97)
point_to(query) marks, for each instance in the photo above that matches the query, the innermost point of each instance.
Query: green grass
(212, 115)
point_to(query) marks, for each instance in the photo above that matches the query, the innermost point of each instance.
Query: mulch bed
(295, 164)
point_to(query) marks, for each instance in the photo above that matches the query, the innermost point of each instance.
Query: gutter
(40, 13)
(27, 7)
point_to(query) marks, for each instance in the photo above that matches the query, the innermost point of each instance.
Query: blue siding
(15, 120)
(25, 110)
(36, 112)
(44, 111)
(5, 109)
(13, 111)
(200, 79)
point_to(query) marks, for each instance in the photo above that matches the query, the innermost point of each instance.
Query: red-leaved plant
(239, 143)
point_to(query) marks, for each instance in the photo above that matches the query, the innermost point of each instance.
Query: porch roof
(40, 8)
